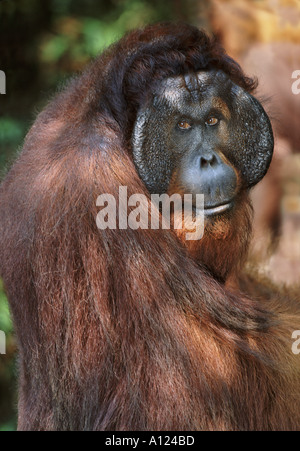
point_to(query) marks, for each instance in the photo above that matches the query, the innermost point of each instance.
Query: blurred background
(43, 43)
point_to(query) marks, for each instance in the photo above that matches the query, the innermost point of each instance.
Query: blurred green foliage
(42, 43)
(7, 368)
(5, 320)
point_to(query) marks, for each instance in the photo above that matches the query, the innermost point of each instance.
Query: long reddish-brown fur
(124, 329)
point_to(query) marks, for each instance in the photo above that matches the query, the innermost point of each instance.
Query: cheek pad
(151, 153)
(251, 138)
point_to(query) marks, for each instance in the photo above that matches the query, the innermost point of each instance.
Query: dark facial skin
(204, 135)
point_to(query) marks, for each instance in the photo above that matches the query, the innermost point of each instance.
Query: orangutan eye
(212, 121)
(184, 125)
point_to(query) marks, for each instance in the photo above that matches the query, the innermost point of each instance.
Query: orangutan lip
(217, 210)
